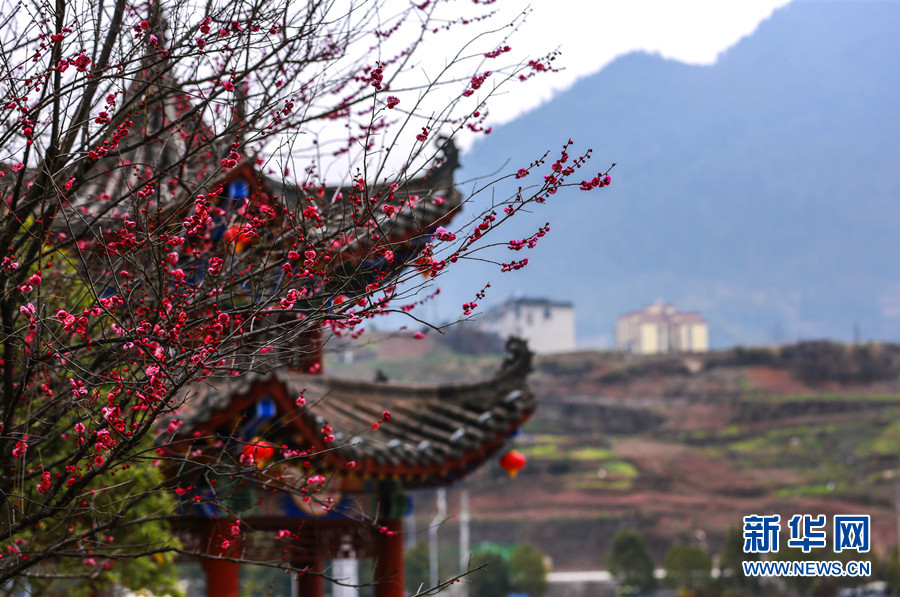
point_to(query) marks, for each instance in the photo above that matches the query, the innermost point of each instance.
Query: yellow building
(659, 328)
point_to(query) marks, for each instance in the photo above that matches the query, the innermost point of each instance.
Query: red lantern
(235, 233)
(258, 452)
(512, 462)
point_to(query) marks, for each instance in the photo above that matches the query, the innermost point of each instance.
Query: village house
(548, 326)
(659, 328)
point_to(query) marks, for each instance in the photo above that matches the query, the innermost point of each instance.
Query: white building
(549, 326)
(660, 329)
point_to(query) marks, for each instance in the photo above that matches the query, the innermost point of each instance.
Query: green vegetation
(620, 468)
(589, 453)
(826, 397)
(541, 451)
(886, 443)
(528, 570)
(630, 562)
(504, 568)
(687, 567)
(492, 579)
(416, 568)
(731, 571)
(597, 484)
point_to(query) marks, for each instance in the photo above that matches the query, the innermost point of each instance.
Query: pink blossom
(44, 485)
(443, 234)
(215, 266)
(81, 62)
(392, 101)
(27, 310)
(20, 450)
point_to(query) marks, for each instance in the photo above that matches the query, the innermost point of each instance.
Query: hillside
(679, 447)
(762, 191)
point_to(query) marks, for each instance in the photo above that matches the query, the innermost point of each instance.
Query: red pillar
(389, 580)
(309, 585)
(222, 576)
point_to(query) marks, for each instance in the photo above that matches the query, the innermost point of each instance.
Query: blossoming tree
(167, 217)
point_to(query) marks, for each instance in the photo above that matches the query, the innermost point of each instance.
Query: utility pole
(897, 508)
(439, 517)
(465, 517)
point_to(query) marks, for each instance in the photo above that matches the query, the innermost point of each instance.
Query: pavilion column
(308, 354)
(222, 576)
(309, 584)
(389, 578)
(391, 508)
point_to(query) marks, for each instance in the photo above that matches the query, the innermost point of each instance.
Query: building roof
(662, 313)
(531, 302)
(682, 318)
(433, 435)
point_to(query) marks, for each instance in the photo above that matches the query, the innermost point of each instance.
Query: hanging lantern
(512, 462)
(258, 451)
(238, 236)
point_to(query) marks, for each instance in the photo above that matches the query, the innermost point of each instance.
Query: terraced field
(683, 448)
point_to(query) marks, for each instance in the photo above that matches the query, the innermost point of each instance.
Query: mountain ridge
(761, 190)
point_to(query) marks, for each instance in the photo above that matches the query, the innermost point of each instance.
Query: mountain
(762, 191)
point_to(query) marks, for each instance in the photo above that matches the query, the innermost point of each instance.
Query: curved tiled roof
(434, 434)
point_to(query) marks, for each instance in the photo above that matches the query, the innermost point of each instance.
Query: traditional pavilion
(292, 467)
(360, 446)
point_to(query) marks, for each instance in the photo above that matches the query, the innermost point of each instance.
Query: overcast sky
(591, 33)
(588, 33)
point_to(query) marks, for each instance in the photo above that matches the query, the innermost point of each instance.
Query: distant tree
(804, 585)
(528, 570)
(492, 580)
(470, 341)
(630, 562)
(889, 571)
(416, 568)
(730, 567)
(687, 567)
